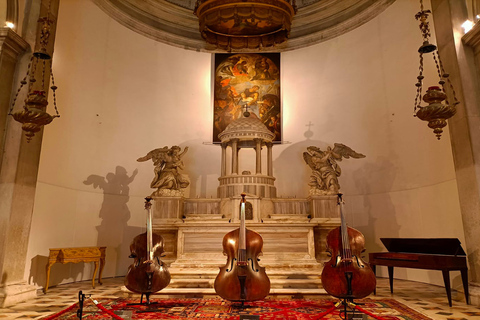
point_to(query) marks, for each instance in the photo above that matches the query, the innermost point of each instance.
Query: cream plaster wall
(121, 95)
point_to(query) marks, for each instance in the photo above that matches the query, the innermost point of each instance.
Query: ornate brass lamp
(245, 24)
(33, 116)
(436, 112)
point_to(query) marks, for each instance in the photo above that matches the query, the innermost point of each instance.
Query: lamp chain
(440, 75)
(419, 86)
(54, 88)
(22, 83)
(43, 74)
(445, 75)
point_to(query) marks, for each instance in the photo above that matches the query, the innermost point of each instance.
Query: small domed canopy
(246, 130)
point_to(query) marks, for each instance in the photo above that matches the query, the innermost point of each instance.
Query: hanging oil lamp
(441, 105)
(33, 116)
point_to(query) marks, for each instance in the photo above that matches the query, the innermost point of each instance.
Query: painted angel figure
(325, 169)
(168, 180)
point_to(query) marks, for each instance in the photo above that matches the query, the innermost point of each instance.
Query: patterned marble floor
(427, 299)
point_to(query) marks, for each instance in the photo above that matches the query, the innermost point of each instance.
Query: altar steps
(198, 282)
(190, 282)
(274, 283)
(201, 292)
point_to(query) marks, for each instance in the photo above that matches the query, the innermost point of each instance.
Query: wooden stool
(75, 255)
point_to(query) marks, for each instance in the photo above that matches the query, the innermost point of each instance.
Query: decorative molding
(472, 38)
(166, 22)
(190, 4)
(12, 294)
(11, 43)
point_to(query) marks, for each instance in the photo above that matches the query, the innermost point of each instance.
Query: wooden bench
(75, 255)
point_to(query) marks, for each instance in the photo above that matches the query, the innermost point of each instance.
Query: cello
(242, 279)
(148, 274)
(346, 275)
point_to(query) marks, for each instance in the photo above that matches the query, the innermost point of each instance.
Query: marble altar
(293, 229)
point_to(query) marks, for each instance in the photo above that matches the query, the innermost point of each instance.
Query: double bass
(242, 278)
(148, 274)
(346, 275)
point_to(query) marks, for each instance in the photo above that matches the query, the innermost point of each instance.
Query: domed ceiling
(173, 21)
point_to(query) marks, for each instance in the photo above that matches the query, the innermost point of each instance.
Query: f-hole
(248, 211)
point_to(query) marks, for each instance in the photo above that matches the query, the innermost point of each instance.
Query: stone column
(18, 171)
(459, 61)
(11, 46)
(269, 159)
(223, 170)
(234, 156)
(258, 153)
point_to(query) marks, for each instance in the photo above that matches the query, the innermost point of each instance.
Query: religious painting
(247, 82)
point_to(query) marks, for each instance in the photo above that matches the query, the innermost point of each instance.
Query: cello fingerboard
(242, 257)
(243, 231)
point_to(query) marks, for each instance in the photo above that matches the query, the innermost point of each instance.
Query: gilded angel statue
(168, 180)
(325, 169)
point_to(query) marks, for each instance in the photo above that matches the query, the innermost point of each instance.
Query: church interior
(241, 152)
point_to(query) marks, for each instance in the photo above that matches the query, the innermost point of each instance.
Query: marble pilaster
(11, 48)
(459, 61)
(18, 171)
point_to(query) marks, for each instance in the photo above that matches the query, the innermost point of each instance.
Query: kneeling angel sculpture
(325, 169)
(168, 180)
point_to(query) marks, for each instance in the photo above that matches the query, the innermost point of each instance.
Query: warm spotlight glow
(9, 24)
(467, 25)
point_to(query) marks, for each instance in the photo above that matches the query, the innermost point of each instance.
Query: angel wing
(342, 151)
(95, 180)
(157, 156)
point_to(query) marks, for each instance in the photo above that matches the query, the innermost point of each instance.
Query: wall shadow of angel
(115, 214)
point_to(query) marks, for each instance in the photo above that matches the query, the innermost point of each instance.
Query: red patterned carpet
(387, 309)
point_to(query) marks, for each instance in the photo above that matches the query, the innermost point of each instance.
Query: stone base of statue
(321, 192)
(323, 207)
(167, 208)
(167, 193)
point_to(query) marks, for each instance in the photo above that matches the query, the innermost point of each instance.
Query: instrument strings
(242, 238)
(345, 240)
